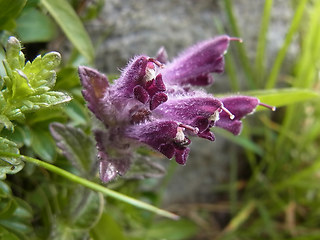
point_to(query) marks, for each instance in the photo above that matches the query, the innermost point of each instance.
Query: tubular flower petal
(158, 106)
(194, 64)
(240, 106)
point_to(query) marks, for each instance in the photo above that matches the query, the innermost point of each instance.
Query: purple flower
(159, 106)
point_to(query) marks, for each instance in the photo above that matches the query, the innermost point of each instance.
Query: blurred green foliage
(278, 200)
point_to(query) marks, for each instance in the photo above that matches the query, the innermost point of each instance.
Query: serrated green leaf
(15, 58)
(34, 26)
(47, 100)
(9, 11)
(71, 25)
(9, 165)
(20, 86)
(283, 97)
(28, 85)
(85, 208)
(5, 122)
(76, 146)
(41, 72)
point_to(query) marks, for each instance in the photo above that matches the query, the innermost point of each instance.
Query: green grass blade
(244, 60)
(282, 53)
(304, 174)
(262, 39)
(283, 97)
(307, 66)
(71, 25)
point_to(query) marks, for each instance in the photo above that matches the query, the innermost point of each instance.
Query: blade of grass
(307, 67)
(229, 62)
(244, 60)
(94, 186)
(241, 141)
(306, 70)
(306, 173)
(282, 53)
(262, 39)
(267, 221)
(241, 217)
(71, 25)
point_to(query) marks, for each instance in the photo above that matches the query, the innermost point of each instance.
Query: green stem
(94, 186)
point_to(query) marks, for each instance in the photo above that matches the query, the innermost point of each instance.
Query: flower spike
(155, 103)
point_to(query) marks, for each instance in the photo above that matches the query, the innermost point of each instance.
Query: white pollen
(180, 137)
(150, 74)
(215, 116)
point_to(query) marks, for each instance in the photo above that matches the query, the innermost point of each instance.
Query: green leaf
(67, 78)
(2, 70)
(5, 122)
(6, 235)
(80, 215)
(85, 208)
(15, 214)
(76, 146)
(9, 165)
(77, 112)
(107, 228)
(34, 26)
(43, 145)
(71, 25)
(41, 71)
(28, 85)
(9, 11)
(48, 99)
(15, 58)
(283, 97)
(172, 230)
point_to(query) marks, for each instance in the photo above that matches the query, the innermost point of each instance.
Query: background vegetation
(277, 199)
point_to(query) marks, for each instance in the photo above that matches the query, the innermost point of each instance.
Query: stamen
(235, 39)
(155, 61)
(231, 116)
(195, 130)
(180, 137)
(273, 108)
(150, 72)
